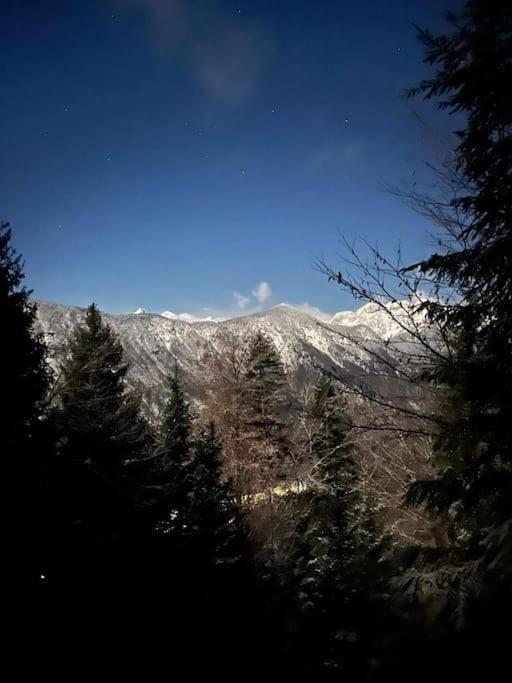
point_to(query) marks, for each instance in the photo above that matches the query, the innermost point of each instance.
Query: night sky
(173, 154)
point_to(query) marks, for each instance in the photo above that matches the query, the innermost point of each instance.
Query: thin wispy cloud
(262, 292)
(166, 21)
(332, 156)
(225, 53)
(230, 64)
(256, 302)
(241, 300)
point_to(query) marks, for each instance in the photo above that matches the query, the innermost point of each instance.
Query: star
(59, 225)
(347, 122)
(244, 172)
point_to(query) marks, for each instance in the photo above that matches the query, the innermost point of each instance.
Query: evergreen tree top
(176, 420)
(93, 319)
(11, 265)
(473, 78)
(329, 435)
(95, 350)
(264, 360)
(25, 375)
(96, 400)
(208, 452)
(212, 511)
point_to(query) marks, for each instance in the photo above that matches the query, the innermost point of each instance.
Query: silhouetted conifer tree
(267, 398)
(174, 453)
(334, 566)
(473, 76)
(266, 385)
(473, 490)
(24, 373)
(103, 436)
(25, 430)
(212, 512)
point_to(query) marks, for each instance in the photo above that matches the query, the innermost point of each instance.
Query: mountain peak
(303, 309)
(386, 319)
(187, 317)
(153, 342)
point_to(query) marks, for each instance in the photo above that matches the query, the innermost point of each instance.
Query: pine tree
(212, 513)
(103, 435)
(202, 509)
(335, 526)
(226, 406)
(176, 422)
(266, 386)
(25, 427)
(266, 437)
(24, 374)
(266, 398)
(329, 421)
(174, 453)
(473, 449)
(473, 76)
(336, 543)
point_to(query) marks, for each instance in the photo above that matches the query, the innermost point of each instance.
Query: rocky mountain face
(154, 343)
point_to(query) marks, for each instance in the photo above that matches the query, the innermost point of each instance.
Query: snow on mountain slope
(387, 321)
(297, 334)
(187, 317)
(154, 343)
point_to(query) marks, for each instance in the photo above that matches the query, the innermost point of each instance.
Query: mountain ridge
(154, 343)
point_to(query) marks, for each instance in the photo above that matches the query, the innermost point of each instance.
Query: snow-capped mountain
(154, 342)
(387, 320)
(187, 317)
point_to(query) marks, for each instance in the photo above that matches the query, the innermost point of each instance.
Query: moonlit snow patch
(187, 317)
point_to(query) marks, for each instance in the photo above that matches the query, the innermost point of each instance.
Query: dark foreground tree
(202, 514)
(473, 75)
(174, 450)
(218, 602)
(266, 396)
(96, 509)
(266, 399)
(461, 338)
(212, 513)
(266, 389)
(24, 371)
(474, 446)
(333, 568)
(103, 434)
(25, 431)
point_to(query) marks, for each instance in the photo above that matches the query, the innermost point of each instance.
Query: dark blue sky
(171, 153)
